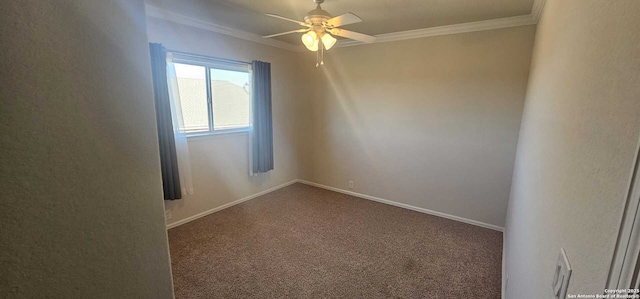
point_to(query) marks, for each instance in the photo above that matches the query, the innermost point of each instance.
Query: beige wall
(577, 145)
(220, 163)
(82, 212)
(429, 122)
(358, 117)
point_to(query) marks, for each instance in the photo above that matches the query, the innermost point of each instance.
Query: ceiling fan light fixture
(310, 40)
(320, 28)
(328, 41)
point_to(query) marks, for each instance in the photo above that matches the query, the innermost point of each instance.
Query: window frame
(220, 64)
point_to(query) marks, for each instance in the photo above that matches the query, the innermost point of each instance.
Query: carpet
(305, 242)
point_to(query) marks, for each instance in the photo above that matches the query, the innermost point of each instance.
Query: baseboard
(505, 275)
(405, 206)
(360, 195)
(228, 205)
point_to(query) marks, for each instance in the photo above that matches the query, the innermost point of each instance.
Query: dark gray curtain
(262, 151)
(168, 157)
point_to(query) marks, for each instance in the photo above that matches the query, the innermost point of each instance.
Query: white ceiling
(380, 16)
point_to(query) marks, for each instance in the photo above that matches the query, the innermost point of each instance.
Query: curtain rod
(206, 57)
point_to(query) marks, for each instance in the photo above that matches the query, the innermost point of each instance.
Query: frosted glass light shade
(310, 40)
(328, 41)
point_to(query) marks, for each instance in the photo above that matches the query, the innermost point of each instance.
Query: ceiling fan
(320, 28)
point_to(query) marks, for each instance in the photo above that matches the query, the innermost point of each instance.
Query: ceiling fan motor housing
(317, 16)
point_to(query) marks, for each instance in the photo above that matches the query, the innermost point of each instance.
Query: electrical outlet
(561, 276)
(350, 184)
(167, 214)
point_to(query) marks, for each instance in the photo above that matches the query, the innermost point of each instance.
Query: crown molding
(536, 11)
(524, 20)
(156, 12)
(447, 29)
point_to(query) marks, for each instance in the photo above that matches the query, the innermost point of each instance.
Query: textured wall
(429, 122)
(577, 145)
(82, 212)
(220, 163)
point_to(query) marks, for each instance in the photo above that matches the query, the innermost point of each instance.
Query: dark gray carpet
(306, 242)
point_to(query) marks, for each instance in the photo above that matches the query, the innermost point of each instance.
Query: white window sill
(218, 133)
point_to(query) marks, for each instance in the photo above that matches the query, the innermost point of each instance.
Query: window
(214, 96)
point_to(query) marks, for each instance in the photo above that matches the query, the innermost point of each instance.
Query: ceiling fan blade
(353, 35)
(288, 32)
(288, 19)
(344, 19)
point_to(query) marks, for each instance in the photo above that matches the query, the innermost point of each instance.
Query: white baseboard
(505, 275)
(405, 206)
(360, 195)
(228, 205)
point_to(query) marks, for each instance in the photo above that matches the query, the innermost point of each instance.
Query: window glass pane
(230, 93)
(193, 97)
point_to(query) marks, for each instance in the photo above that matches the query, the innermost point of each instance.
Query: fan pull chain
(322, 53)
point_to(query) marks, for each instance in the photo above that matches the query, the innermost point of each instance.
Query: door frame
(625, 259)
